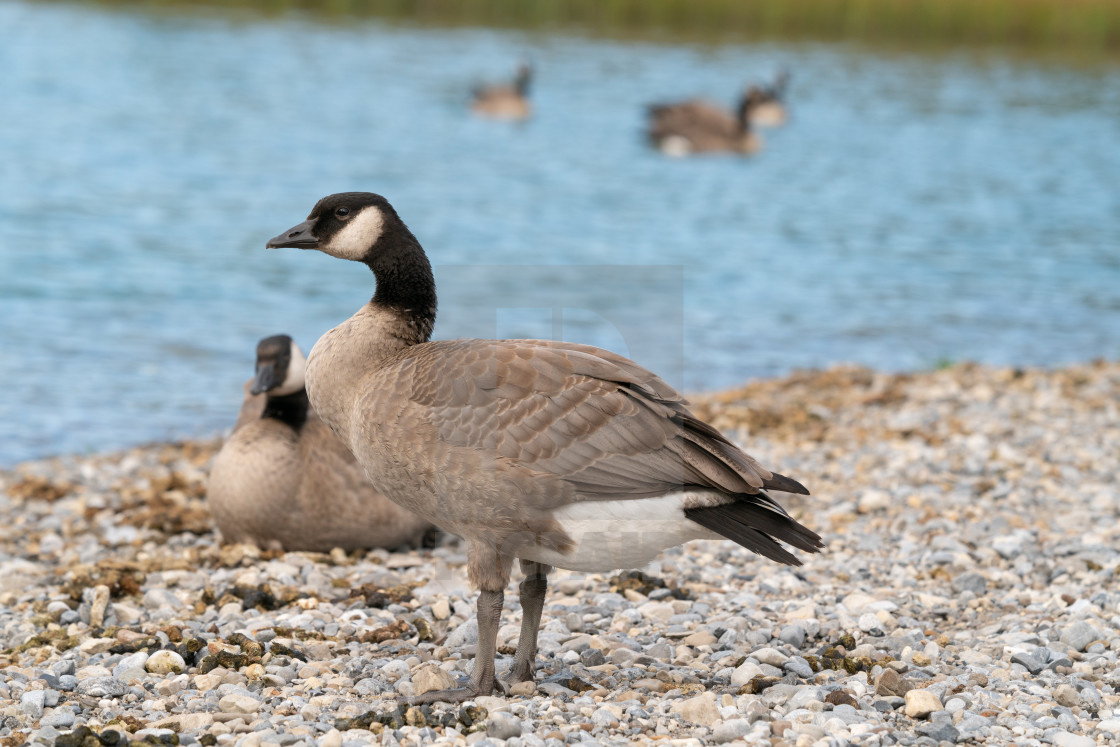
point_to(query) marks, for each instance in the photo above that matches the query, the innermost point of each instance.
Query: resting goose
(697, 126)
(284, 480)
(550, 453)
(505, 101)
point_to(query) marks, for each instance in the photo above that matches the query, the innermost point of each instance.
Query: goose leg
(532, 589)
(482, 675)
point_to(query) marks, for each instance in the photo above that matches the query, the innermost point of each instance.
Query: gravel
(967, 594)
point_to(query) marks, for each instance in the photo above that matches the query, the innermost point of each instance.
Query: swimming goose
(505, 101)
(550, 453)
(769, 110)
(284, 480)
(697, 126)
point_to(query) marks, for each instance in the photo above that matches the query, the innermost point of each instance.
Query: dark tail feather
(757, 529)
(785, 484)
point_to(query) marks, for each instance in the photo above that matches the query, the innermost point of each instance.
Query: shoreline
(970, 516)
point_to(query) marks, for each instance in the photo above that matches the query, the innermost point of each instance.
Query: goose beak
(265, 378)
(300, 237)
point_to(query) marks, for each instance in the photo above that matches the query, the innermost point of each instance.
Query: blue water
(917, 208)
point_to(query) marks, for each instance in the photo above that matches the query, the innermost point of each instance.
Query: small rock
(430, 678)
(891, 682)
(237, 703)
(1066, 695)
(503, 725)
(98, 606)
(745, 672)
(941, 731)
(840, 697)
(603, 717)
(32, 703)
(921, 703)
(102, 687)
(873, 500)
(165, 662)
(799, 666)
(525, 689)
(1064, 738)
(971, 581)
(1033, 663)
(441, 610)
(464, 635)
(699, 710)
(771, 656)
(699, 638)
(794, 635)
(729, 731)
(332, 738)
(1080, 635)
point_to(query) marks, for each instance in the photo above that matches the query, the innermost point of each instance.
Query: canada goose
(697, 126)
(553, 453)
(284, 480)
(769, 110)
(505, 101)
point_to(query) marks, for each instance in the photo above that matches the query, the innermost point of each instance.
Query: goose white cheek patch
(357, 236)
(293, 380)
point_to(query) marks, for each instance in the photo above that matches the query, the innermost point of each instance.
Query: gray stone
(63, 718)
(1034, 664)
(102, 687)
(729, 731)
(940, 730)
(1064, 738)
(464, 635)
(1079, 635)
(799, 666)
(32, 703)
(794, 635)
(503, 725)
(971, 581)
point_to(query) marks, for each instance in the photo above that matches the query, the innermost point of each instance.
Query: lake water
(917, 208)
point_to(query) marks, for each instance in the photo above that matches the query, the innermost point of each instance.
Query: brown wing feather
(598, 421)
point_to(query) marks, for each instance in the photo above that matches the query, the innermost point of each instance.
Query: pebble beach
(968, 593)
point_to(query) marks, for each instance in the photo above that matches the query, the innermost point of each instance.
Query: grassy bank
(1082, 26)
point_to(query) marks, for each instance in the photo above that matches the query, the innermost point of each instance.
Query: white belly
(614, 535)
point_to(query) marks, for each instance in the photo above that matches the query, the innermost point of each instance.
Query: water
(916, 209)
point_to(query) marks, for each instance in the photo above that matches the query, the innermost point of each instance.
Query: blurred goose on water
(505, 101)
(769, 109)
(283, 479)
(549, 453)
(698, 126)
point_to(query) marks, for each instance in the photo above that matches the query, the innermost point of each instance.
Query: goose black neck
(405, 282)
(290, 409)
(521, 84)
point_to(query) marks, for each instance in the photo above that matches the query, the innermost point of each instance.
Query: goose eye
(342, 212)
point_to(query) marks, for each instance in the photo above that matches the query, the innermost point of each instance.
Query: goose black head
(347, 225)
(280, 367)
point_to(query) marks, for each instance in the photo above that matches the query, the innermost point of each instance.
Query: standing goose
(283, 479)
(505, 101)
(552, 453)
(697, 126)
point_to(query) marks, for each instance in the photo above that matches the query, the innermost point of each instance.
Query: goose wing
(603, 424)
(693, 117)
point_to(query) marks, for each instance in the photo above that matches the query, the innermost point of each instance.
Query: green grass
(1084, 26)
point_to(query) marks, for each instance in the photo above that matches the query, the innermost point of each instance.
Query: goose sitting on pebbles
(505, 101)
(697, 126)
(284, 480)
(551, 453)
